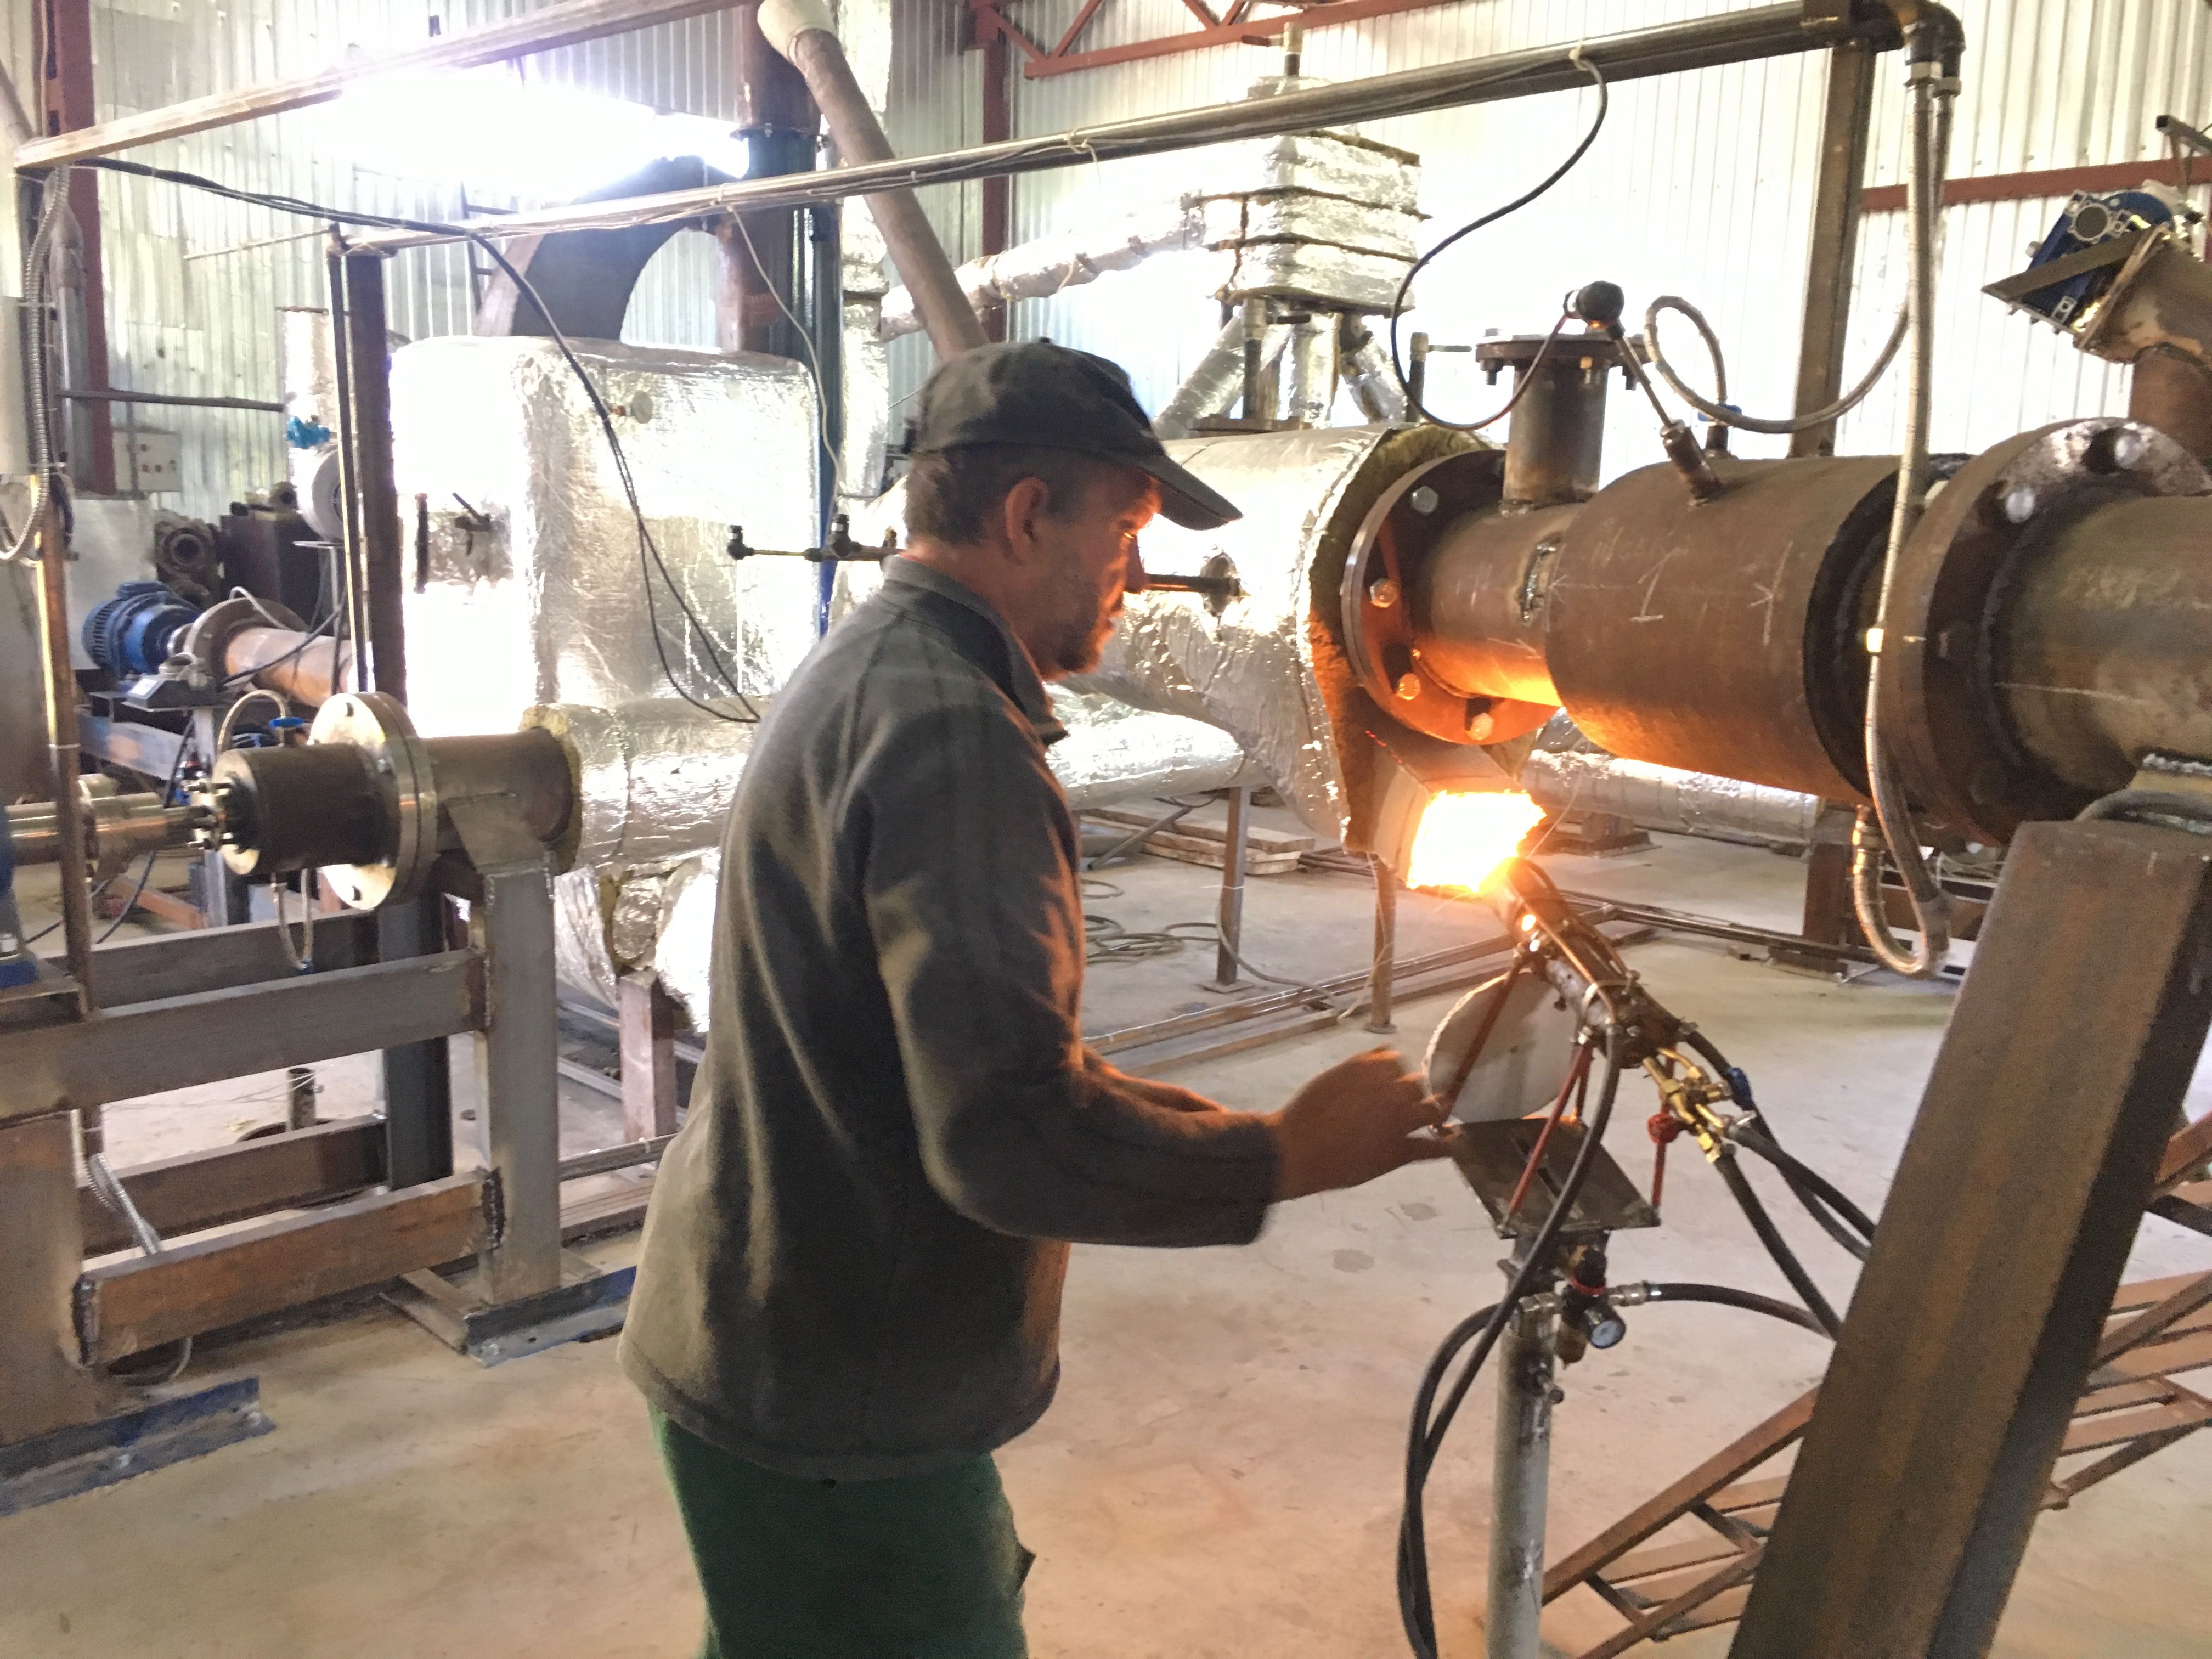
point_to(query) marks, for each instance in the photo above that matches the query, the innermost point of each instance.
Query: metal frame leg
(418, 1082)
(1977, 1316)
(1382, 974)
(646, 1023)
(43, 1385)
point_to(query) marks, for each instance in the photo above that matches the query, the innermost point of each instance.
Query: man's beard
(1079, 629)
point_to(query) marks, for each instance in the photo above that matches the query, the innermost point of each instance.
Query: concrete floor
(1220, 1475)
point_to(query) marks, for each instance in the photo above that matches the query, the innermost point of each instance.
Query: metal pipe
(382, 539)
(62, 752)
(348, 561)
(1685, 803)
(305, 668)
(113, 395)
(1738, 37)
(1229, 916)
(1888, 827)
(1216, 380)
(1520, 1467)
(804, 31)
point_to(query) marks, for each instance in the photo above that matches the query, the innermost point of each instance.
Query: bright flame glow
(1464, 840)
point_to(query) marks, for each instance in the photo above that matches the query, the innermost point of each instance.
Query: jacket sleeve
(969, 877)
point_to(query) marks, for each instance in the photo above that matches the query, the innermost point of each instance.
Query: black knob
(1600, 303)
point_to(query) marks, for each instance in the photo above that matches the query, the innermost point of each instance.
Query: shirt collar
(1026, 688)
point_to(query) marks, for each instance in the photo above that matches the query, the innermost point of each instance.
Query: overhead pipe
(803, 33)
(1773, 31)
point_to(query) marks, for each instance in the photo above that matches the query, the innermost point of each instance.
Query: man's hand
(1354, 1122)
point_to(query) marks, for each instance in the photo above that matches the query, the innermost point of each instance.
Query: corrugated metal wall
(194, 283)
(1701, 185)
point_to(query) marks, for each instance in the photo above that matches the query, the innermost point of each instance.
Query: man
(849, 1294)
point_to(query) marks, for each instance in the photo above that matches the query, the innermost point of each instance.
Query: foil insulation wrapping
(1326, 163)
(1311, 358)
(1686, 803)
(1268, 670)
(654, 779)
(1373, 381)
(539, 589)
(1319, 271)
(1218, 379)
(1072, 258)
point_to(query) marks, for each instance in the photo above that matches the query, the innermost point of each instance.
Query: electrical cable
(1426, 1438)
(813, 359)
(1727, 1295)
(1739, 1186)
(313, 635)
(45, 476)
(649, 556)
(1398, 304)
(1716, 407)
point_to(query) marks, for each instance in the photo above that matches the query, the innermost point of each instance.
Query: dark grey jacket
(852, 1266)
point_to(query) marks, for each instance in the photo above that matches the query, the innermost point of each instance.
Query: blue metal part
(2084, 222)
(305, 433)
(133, 633)
(83, 1459)
(17, 965)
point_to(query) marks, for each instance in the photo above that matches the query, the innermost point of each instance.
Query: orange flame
(1464, 840)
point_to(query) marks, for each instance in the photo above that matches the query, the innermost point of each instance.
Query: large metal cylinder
(1477, 601)
(2104, 652)
(1718, 637)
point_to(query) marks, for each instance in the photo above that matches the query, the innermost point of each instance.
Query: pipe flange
(378, 727)
(1942, 722)
(209, 637)
(1379, 627)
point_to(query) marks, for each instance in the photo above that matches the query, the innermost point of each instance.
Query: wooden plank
(2180, 1310)
(1751, 1495)
(1214, 855)
(2166, 1358)
(561, 25)
(1723, 1583)
(175, 1043)
(615, 1212)
(1256, 839)
(1749, 1449)
(1723, 1609)
(2185, 1151)
(147, 969)
(1651, 1564)
(128, 1306)
(198, 1190)
(2117, 1428)
(2146, 1292)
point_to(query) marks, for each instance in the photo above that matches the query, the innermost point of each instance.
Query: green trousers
(923, 1568)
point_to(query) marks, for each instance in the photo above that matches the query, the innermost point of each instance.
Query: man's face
(1097, 563)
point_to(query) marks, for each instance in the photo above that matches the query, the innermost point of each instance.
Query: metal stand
(1521, 1466)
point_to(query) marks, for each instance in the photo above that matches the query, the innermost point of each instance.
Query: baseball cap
(1046, 395)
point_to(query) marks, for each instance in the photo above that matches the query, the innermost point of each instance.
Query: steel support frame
(1977, 1316)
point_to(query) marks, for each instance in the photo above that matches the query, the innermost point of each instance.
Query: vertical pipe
(300, 1098)
(71, 103)
(997, 126)
(383, 536)
(345, 564)
(1521, 1470)
(1229, 916)
(1845, 128)
(418, 1080)
(62, 753)
(802, 30)
(518, 1085)
(1383, 972)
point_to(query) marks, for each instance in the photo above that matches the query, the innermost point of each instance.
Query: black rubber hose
(1802, 1177)
(1739, 1186)
(1728, 1295)
(1425, 1439)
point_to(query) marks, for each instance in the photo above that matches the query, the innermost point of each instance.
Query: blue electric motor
(2086, 221)
(135, 632)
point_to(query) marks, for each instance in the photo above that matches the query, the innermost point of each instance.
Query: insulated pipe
(803, 33)
(302, 666)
